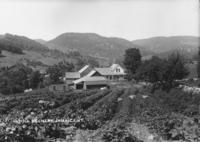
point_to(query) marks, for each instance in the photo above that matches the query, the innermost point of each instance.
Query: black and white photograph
(99, 71)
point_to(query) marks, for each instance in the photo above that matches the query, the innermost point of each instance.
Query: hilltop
(105, 50)
(20, 49)
(94, 45)
(164, 46)
(111, 48)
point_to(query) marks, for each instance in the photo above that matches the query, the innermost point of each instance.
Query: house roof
(90, 79)
(107, 71)
(115, 65)
(72, 75)
(91, 73)
(104, 71)
(83, 69)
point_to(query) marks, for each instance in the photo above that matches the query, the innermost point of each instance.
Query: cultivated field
(124, 113)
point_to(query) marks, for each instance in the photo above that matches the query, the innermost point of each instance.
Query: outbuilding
(90, 82)
(59, 88)
(70, 77)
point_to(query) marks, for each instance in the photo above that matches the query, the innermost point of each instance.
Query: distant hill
(39, 52)
(16, 44)
(19, 49)
(41, 41)
(163, 46)
(94, 45)
(112, 48)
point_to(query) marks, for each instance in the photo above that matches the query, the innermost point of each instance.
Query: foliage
(17, 44)
(23, 43)
(14, 79)
(118, 133)
(10, 47)
(170, 114)
(80, 63)
(83, 60)
(17, 137)
(152, 70)
(198, 65)
(58, 70)
(17, 78)
(103, 111)
(74, 54)
(182, 128)
(132, 60)
(35, 78)
(173, 115)
(178, 101)
(91, 61)
(163, 72)
(176, 70)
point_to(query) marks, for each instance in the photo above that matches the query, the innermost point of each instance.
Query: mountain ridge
(20, 49)
(93, 44)
(187, 45)
(104, 49)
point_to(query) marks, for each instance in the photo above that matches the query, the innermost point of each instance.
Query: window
(64, 88)
(117, 70)
(54, 88)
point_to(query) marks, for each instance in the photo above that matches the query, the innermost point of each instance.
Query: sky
(129, 19)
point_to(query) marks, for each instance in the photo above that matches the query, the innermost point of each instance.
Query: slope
(163, 46)
(20, 49)
(94, 45)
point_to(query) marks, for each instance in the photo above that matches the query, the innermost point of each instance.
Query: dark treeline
(198, 65)
(163, 73)
(17, 78)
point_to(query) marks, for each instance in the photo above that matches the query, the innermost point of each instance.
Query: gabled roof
(115, 65)
(83, 69)
(90, 79)
(104, 71)
(91, 73)
(72, 75)
(108, 71)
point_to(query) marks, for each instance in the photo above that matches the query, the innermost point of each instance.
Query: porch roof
(90, 79)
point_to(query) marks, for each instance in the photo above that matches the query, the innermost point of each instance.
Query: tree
(198, 65)
(57, 71)
(175, 70)
(132, 60)
(80, 63)
(65, 66)
(151, 70)
(35, 79)
(14, 79)
(92, 61)
(162, 72)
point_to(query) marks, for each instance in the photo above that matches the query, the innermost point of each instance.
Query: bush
(161, 72)
(118, 133)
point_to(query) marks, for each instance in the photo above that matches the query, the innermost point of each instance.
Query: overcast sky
(130, 19)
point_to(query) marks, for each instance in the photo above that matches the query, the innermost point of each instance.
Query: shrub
(118, 133)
